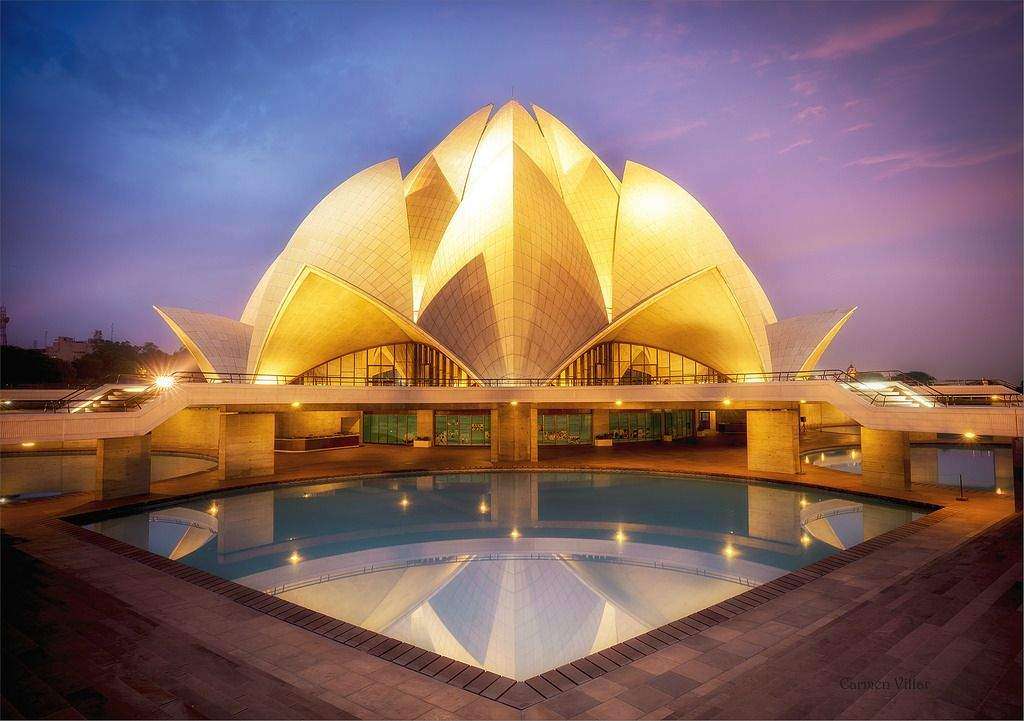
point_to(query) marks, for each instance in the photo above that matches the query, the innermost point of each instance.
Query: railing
(877, 388)
(538, 556)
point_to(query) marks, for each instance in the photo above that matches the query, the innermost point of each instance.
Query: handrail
(537, 556)
(877, 388)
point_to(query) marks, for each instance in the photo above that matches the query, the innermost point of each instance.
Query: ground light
(213, 509)
(483, 507)
(294, 558)
(404, 503)
(514, 534)
(730, 551)
(620, 536)
(164, 382)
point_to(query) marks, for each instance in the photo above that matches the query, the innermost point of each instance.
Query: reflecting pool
(515, 572)
(983, 468)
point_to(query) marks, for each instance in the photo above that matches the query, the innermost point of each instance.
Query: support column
(122, 466)
(885, 458)
(246, 445)
(425, 425)
(600, 421)
(1018, 473)
(245, 522)
(773, 441)
(514, 433)
(773, 514)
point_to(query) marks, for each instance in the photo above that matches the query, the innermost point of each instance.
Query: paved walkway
(91, 632)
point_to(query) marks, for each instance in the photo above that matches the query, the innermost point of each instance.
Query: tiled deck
(919, 607)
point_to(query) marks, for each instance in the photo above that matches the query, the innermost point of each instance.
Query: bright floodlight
(164, 382)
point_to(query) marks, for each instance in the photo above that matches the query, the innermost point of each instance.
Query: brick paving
(82, 625)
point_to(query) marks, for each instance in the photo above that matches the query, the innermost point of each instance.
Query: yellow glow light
(294, 558)
(803, 503)
(995, 398)
(513, 403)
(727, 402)
(805, 539)
(970, 435)
(999, 491)
(213, 510)
(28, 444)
(807, 459)
(404, 503)
(620, 536)
(730, 551)
(802, 400)
(164, 382)
(514, 534)
(483, 507)
(296, 404)
(618, 402)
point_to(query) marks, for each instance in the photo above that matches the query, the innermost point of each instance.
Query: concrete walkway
(93, 633)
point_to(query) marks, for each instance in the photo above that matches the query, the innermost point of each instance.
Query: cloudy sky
(855, 153)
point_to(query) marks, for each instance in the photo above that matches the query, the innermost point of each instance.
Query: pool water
(985, 468)
(515, 572)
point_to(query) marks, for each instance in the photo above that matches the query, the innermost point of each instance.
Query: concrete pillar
(924, 464)
(245, 521)
(309, 424)
(773, 441)
(885, 458)
(122, 466)
(514, 499)
(425, 424)
(1018, 473)
(514, 433)
(773, 514)
(191, 429)
(246, 445)
(600, 421)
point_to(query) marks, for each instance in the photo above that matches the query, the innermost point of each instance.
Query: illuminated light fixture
(164, 382)
(28, 444)
(802, 400)
(999, 491)
(970, 435)
(803, 503)
(727, 402)
(213, 510)
(3, 499)
(404, 503)
(730, 551)
(294, 558)
(307, 495)
(618, 402)
(514, 534)
(822, 456)
(807, 459)
(620, 536)
(296, 404)
(853, 454)
(7, 403)
(483, 507)
(805, 539)
(995, 398)
(513, 403)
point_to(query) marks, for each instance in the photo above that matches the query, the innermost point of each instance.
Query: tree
(917, 377)
(28, 366)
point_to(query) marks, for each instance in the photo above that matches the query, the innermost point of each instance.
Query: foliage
(29, 367)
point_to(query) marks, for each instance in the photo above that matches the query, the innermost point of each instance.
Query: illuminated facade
(511, 251)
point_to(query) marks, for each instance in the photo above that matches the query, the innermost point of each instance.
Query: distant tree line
(106, 361)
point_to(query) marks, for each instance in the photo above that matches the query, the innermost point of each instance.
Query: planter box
(315, 444)
(421, 444)
(603, 442)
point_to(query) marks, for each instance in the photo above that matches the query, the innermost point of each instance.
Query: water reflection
(984, 468)
(514, 572)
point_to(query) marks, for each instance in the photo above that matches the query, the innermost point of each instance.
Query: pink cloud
(794, 146)
(803, 85)
(852, 103)
(809, 113)
(758, 135)
(858, 127)
(668, 133)
(902, 161)
(865, 36)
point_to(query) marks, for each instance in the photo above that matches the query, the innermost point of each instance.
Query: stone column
(773, 514)
(773, 441)
(515, 437)
(246, 445)
(600, 421)
(122, 466)
(885, 458)
(245, 521)
(425, 424)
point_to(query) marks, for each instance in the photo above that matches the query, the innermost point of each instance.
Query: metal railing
(537, 556)
(878, 388)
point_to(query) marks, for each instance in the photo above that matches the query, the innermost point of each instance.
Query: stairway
(114, 399)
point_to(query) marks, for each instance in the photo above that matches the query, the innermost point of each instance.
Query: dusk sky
(855, 154)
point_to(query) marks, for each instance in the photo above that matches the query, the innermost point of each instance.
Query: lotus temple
(511, 435)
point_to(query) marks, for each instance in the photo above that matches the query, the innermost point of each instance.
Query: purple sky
(856, 154)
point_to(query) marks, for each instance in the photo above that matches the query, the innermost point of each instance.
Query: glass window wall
(616, 363)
